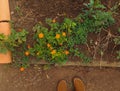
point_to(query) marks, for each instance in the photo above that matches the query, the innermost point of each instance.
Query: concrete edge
(78, 63)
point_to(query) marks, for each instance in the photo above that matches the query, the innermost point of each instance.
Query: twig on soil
(109, 36)
(96, 47)
(88, 48)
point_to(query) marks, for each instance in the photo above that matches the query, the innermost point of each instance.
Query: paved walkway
(37, 79)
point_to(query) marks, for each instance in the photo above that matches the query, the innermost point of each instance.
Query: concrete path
(36, 78)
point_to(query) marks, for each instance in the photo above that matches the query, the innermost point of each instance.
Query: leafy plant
(95, 17)
(10, 42)
(56, 43)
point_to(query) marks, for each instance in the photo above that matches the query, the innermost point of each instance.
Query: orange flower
(66, 52)
(28, 46)
(19, 30)
(41, 35)
(57, 36)
(27, 53)
(53, 52)
(53, 20)
(48, 45)
(63, 34)
(22, 69)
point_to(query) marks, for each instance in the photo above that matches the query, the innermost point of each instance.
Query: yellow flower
(41, 35)
(63, 34)
(27, 53)
(53, 52)
(57, 36)
(66, 52)
(48, 45)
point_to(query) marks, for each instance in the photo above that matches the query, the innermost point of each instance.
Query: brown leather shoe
(78, 84)
(62, 86)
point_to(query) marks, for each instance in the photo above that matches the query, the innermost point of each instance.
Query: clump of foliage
(95, 17)
(55, 43)
(10, 42)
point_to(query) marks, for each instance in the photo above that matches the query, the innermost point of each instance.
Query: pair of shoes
(78, 84)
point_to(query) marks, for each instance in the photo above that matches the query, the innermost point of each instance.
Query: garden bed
(99, 46)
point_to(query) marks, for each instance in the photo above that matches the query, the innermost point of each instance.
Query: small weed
(95, 17)
(10, 42)
(117, 43)
(118, 57)
(18, 10)
(46, 67)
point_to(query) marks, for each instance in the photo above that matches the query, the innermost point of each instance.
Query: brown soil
(27, 13)
(37, 79)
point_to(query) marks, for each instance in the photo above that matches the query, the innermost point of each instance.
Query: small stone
(12, 12)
